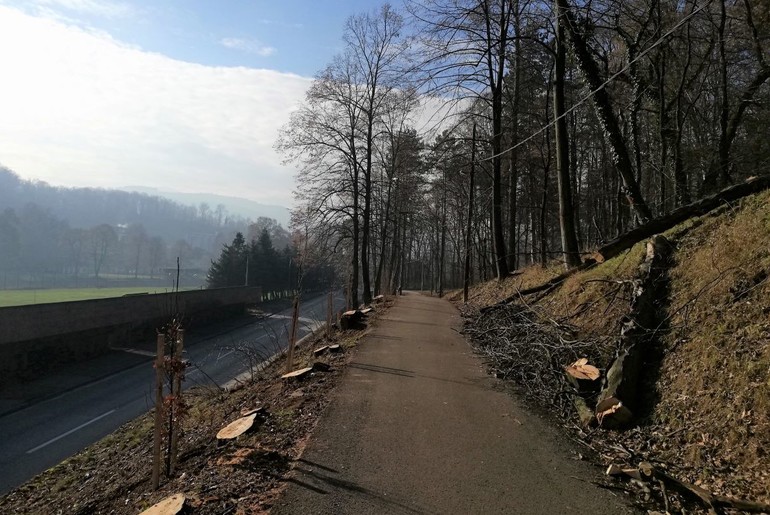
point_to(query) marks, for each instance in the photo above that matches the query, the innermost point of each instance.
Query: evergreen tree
(230, 268)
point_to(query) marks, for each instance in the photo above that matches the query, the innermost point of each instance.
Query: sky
(182, 95)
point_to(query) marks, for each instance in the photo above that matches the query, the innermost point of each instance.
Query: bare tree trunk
(442, 244)
(354, 260)
(569, 243)
(601, 100)
(383, 242)
(718, 173)
(513, 259)
(469, 222)
(367, 213)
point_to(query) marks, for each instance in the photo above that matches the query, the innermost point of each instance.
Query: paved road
(417, 427)
(44, 422)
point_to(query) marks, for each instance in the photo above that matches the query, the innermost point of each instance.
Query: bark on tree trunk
(601, 101)
(471, 187)
(569, 243)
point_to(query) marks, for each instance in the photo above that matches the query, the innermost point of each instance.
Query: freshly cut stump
(582, 370)
(236, 428)
(298, 374)
(245, 412)
(168, 506)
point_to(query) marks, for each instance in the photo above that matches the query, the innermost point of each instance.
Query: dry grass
(595, 300)
(484, 294)
(715, 377)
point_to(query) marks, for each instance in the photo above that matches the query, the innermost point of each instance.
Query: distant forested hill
(86, 207)
(72, 234)
(244, 207)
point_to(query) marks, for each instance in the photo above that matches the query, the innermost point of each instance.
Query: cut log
(622, 379)
(582, 370)
(632, 473)
(583, 377)
(298, 374)
(647, 469)
(658, 225)
(614, 470)
(352, 319)
(366, 311)
(379, 298)
(320, 350)
(335, 348)
(236, 428)
(168, 506)
(612, 413)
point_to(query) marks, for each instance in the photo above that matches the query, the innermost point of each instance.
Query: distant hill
(234, 205)
(57, 236)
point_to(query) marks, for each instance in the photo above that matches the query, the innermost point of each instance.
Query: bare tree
(376, 51)
(101, 241)
(466, 46)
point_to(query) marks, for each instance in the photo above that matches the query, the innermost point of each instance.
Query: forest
(459, 140)
(54, 237)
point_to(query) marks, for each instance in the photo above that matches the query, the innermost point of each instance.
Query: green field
(24, 297)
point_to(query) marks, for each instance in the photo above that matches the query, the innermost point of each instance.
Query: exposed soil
(243, 476)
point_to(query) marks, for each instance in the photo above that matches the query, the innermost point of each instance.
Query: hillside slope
(705, 381)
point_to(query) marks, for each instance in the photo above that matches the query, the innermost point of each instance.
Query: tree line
(280, 273)
(491, 134)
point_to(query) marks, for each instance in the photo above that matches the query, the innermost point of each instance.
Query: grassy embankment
(708, 381)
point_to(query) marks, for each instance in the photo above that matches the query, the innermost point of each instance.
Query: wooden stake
(292, 336)
(176, 391)
(161, 342)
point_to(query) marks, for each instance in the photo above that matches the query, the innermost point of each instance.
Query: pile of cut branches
(521, 343)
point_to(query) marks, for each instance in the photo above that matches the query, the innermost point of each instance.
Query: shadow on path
(389, 502)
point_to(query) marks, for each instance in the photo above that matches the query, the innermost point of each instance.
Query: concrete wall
(40, 336)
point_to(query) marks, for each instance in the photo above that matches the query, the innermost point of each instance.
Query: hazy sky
(179, 94)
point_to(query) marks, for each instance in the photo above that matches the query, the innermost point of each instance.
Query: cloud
(82, 109)
(250, 46)
(104, 8)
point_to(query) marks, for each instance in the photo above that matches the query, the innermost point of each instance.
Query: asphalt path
(44, 422)
(418, 427)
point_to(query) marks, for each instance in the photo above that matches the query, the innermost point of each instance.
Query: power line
(602, 85)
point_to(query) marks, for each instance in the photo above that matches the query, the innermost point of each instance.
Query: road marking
(136, 351)
(63, 435)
